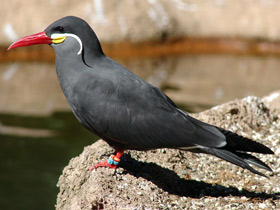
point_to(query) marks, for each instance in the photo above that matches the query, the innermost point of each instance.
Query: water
(30, 165)
(195, 81)
(39, 134)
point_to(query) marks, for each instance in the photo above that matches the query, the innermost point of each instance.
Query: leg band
(113, 160)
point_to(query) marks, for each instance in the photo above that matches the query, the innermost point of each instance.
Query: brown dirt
(173, 179)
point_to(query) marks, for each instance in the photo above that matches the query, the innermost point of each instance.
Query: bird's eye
(60, 29)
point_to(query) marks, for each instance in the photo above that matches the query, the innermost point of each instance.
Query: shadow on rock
(170, 182)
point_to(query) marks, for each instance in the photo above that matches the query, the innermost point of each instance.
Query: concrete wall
(140, 20)
(32, 88)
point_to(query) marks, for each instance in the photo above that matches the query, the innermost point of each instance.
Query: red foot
(102, 164)
(115, 159)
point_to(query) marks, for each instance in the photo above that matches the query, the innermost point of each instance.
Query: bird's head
(66, 35)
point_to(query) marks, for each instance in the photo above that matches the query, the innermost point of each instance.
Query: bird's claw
(102, 164)
(112, 162)
(105, 164)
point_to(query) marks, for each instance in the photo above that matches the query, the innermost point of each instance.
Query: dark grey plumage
(129, 113)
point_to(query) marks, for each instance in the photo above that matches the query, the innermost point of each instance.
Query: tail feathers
(250, 159)
(239, 160)
(239, 143)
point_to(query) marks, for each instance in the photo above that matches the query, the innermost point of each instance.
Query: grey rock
(154, 180)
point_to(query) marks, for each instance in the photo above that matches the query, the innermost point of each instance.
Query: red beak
(39, 38)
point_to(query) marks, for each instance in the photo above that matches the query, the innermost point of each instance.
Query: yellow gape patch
(58, 38)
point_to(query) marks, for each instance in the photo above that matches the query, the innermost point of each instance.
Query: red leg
(112, 162)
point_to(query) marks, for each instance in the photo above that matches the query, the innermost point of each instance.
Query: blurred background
(200, 53)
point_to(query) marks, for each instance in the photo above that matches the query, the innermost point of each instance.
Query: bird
(126, 111)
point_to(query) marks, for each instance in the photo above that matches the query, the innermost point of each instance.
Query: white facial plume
(59, 38)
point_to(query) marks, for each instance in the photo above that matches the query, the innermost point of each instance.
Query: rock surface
(173, 179)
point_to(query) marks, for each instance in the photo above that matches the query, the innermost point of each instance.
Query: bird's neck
(92, 53)
(68, 72)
